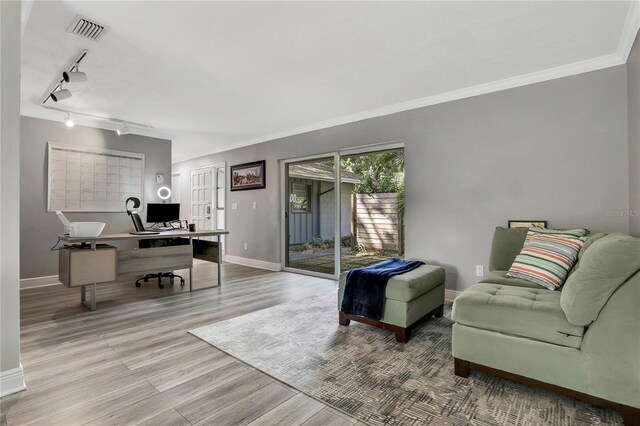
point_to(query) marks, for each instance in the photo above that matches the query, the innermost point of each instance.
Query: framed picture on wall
(248, 176)
(527, 223)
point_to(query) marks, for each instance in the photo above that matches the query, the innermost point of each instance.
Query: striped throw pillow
(548, 255)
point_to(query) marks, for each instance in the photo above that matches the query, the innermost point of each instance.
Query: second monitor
(163, 212)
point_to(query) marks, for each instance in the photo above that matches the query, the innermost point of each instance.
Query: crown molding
(468, 92)
(627, 38)
(629, 30)
(628, 34)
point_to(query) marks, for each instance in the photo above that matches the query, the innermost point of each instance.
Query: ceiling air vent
(85, 27)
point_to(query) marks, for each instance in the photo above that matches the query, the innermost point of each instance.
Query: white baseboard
(12, 381)
(450, 295)
(39, 281)
(270, 266)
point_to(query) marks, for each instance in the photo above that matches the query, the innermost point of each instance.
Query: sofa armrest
(611, 346)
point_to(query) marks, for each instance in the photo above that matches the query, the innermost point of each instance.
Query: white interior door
(220, 203)
(202, 184)
(208, 199)
(220, 198)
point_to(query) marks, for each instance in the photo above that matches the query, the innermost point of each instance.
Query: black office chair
(160, 276)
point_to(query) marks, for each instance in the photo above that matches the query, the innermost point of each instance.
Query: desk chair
(159, 275)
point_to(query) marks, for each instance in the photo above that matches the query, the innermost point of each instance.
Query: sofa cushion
(547, 256)
(410, 285)
(506, 244)
(500, 277)
(532, 313)
(609, 262)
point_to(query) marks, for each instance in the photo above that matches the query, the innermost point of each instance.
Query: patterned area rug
(362, 371)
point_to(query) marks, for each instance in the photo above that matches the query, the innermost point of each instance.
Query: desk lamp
(164, 193)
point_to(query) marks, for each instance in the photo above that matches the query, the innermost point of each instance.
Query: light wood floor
(133, 362)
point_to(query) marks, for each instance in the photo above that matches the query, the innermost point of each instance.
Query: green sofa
(582, 341)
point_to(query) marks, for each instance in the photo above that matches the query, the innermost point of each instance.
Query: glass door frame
(284, 209)
(337, 173)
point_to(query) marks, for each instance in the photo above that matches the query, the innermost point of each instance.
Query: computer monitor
(163, 212)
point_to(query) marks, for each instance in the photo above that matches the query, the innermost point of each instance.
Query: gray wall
(633, 96)
(38, 228)
(555, 150)
(12, 378)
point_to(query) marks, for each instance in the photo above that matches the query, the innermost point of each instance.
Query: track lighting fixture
(68, 121)
(74, 77)
(61, 94)
(71, 75)
(123, 130)
(118, 125)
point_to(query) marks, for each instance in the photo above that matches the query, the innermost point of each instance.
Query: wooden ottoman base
(402, 333)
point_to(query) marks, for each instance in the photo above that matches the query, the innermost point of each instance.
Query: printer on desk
(80, 229)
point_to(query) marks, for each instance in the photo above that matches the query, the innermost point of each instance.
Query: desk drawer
(157, 259)
(81, 266)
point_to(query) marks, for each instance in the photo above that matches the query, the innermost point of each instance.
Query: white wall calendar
(93, 179)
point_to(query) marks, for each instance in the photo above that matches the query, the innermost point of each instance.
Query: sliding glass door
(372, 188)
(328, 228)
(310, 215)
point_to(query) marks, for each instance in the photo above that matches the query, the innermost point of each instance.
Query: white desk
(143, 260)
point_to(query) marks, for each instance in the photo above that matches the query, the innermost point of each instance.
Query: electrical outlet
(234, 206)
(246, 246)
(255, 205)
(479, 271)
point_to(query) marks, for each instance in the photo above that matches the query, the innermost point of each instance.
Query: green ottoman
(409, 298)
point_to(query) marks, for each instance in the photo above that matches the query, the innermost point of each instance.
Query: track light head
(74, 77)
(68, 121)
(60, 95)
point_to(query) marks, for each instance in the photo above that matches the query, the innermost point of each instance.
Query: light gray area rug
(362, 371)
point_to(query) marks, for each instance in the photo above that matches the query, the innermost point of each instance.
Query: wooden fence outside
(375, 224)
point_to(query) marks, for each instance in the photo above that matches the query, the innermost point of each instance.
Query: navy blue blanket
(365, 287)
